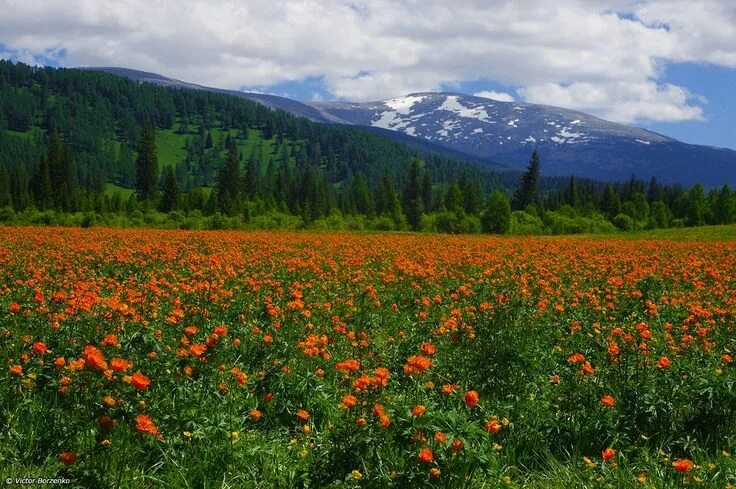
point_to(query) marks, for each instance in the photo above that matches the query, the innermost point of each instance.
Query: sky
(666, 65)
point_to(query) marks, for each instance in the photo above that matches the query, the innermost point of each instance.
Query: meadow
(160, 358)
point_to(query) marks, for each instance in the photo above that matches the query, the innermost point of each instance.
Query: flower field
(138, 358)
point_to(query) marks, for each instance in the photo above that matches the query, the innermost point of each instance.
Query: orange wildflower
(471, 399)
(426, 456)
(682, 465)
(140, 381)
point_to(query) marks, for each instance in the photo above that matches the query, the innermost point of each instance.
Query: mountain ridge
(569, 142)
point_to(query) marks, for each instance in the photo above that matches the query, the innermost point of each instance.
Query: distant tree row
(78, 141)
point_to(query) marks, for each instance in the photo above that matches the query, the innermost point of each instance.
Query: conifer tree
(528, 192)
(41, 187)
(572, 197)
(229, 183)
(170, 197)
(146, 166)
(413, 202)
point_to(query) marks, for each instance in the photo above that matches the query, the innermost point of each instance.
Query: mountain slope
(569, 142)
(271, 101)
(421, 145)
(490, 132)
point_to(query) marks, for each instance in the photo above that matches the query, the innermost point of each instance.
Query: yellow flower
(306, 429)
(234, 435)
(187, 434)
(507, 480)
(355, 474)
(497, 447)
(303, 453)
(642, 478)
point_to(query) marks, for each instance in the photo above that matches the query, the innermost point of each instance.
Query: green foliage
(525, 224)
(497, 216)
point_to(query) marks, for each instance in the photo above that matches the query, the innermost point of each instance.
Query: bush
(624, 222)
(524, 224)
(497, 216)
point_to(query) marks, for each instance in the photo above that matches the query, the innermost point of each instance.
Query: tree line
(79, 142)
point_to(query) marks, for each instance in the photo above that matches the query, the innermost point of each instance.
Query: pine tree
(427, 190)
(413, 202)
(61, 173)
(170, 197)
(610, 204)
(528, 192)
(229, 183)
(361, 195)
(4, 186)
(146, 166)
(572, 197)
(454, 198)
(41, 187)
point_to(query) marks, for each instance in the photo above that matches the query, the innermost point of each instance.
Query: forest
(90, 148)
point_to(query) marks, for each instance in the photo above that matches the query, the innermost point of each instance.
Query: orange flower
(417, 364)
(40, 347)
(608, 400)
(351, 365)
(418, 410)
(434, 473)
(493, 426)
(608, 454)
(449, 389)
(382, 375)
(426, 456)
(349, 401)
(255, 414)
(471, 399)
(440, 437)
(68, 458)
(140, 381)
(456, 445)
(428, 348)
(682, 465)
(120, 365)
(144, 424)
(302, 414)
(94, 358)
(16, 370)
(664, 362)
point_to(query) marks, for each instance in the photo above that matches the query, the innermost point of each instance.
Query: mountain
(569, 142)
(314, 114)
(503, 134)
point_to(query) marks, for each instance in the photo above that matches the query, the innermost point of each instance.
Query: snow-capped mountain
(491, 132)
(569, 142)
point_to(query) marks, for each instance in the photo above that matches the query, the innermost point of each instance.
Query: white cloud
(603, 56)
(620, 101)
(493, 95)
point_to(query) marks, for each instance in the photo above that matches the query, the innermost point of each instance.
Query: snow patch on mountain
(452, 104)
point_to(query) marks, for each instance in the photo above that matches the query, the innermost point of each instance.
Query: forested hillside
(81, 146)
(92, 123)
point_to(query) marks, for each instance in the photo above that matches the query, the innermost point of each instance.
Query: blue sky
(666, 65)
